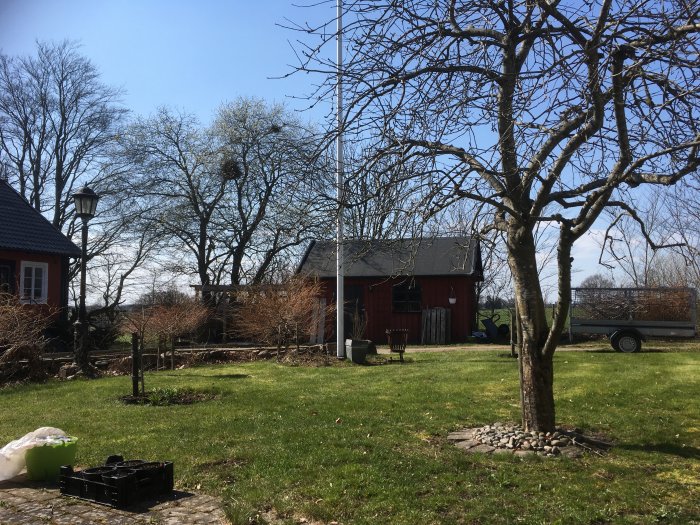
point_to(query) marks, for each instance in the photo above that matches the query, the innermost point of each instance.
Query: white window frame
(44, 284)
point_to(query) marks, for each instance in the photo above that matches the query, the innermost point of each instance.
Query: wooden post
(141, 352)
(135, 364)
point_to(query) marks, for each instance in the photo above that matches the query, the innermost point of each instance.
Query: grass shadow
(665, 448)
(613, 351)
(211, 376)
(147, 505)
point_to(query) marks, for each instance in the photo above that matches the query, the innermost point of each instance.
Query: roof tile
(387, 258)
(25, 229)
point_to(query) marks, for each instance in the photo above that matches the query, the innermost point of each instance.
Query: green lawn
(367, 445)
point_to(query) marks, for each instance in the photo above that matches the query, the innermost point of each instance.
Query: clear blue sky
(190, 55)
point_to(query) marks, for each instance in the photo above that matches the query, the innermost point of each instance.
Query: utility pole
(340, 193)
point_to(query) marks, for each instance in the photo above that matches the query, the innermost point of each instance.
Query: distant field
(503, 315)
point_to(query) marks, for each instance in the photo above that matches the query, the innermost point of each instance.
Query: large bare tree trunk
(536, 372)
(537, 378)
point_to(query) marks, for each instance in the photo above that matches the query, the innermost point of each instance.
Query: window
(34, 282)
(7, 277)
(406, 297)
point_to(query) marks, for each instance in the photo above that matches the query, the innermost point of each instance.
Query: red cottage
(424, 285)
(34, 255)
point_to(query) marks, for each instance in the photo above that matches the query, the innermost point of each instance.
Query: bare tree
(375, 195)
(597, 280)
(544, 111)
(167, 164)
(227, 201)
(625, 242)
(276, 176)
(683, 210)
(56, 121)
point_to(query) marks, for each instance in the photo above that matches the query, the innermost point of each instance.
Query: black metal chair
(398, 337)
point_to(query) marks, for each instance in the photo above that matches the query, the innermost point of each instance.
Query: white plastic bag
(12, 455)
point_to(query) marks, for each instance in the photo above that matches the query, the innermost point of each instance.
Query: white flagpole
(340, 269)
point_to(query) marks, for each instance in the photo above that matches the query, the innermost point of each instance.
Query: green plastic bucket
(45, 461)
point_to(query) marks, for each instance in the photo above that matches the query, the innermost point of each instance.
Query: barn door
(354, 311)
(318, 330)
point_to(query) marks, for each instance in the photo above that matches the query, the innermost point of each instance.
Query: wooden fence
(435, 326)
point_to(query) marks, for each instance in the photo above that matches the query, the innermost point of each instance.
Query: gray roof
(386, 258)
(22, 228)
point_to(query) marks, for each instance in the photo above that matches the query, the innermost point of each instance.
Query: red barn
(405, 283)
(34, 255)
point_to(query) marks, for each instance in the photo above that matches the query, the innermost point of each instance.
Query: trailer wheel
(626, 341)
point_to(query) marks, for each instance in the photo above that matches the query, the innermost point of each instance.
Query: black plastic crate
(119, 483)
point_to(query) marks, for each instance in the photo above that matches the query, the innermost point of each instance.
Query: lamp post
(85, 205)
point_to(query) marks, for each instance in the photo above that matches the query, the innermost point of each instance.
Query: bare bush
(22, 337)
(277, 315)
(182, 318)
(640, 304)
(162, 324)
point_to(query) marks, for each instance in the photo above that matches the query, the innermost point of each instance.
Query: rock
(485, 449)
(460, 435)
(467, 444)
(500, 438)
(68, 371)
(503, 451)
(571, 452)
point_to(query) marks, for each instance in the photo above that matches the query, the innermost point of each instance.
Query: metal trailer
(629, 316)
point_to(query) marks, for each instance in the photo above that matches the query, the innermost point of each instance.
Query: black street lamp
(85, 205)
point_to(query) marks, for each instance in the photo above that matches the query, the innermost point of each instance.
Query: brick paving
(23, 502)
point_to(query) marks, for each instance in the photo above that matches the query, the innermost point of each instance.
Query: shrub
(278, 315)
(22, 338)
(164, 323)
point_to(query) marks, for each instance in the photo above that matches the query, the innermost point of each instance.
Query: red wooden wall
(56, 287)
(435, 291)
